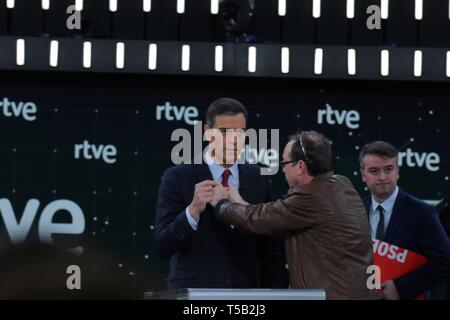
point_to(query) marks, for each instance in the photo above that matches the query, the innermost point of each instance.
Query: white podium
(237, 294)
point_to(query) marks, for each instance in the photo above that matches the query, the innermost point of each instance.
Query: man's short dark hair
(317, 151)
(224, 106)
(378, 148)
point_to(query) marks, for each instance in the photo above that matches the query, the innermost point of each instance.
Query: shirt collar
(217, 169)
(388, 204)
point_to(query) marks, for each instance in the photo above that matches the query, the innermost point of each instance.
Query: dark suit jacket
(414, 225)
(214, 255)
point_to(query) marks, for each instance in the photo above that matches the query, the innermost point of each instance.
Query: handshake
(211, 192)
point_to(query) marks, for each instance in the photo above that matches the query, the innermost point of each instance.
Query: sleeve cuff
(217, 207)
(192, 222)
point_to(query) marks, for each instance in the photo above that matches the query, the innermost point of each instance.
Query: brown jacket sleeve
(298, 210)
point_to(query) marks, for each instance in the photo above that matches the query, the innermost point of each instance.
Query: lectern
(237, 294)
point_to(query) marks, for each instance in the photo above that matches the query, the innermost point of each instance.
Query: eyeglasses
(283, 163)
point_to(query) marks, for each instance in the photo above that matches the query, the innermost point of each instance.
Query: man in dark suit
(400, 219)
(204, 252)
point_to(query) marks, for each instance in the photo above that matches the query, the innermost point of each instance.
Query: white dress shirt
(216, 172)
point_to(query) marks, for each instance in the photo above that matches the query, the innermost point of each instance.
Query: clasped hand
(211, 192)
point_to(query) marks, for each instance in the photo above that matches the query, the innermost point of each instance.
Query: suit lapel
(396, 218)
(202, 172)
(367, 203)
(243, 182)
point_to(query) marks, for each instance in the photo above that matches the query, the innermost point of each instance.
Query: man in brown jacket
(322, 218)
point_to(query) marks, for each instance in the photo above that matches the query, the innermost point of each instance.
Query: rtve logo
(90, 151)
(18, 230)
(171, 113)
(333, 116)
(268, 157)
(26, 110)
(412, 159)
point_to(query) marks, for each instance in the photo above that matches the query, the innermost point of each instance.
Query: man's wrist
(194, 212)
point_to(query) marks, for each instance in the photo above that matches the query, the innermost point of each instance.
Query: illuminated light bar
(350, 9)
(384, 9)
(218, 58)
(10, 4)
(147, 5)
(351, 62)
(180, 6)
(79, 5)
(113, 5)
(384, 63)
(20, 52)
(448, 64)
(120, 55)
(214, 6)
(285, 60)
(418, 13)
(316, 8)
(281, 8)
(252, 59)
(318, 61)
(45, 4)
(54, 49)
(185, 57)
(152, 56)
(418, 63)
(87, 54)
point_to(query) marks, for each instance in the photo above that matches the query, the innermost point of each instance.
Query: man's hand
(389, 290)
(235, 197)
(203, 194)
(220, 192)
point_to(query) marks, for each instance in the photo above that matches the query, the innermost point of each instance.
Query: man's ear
(302, 166)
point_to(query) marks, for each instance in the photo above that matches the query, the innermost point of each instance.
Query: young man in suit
(203, 252)
(400, 219)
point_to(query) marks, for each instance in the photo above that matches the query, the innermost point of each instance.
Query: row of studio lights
(218, 59)
(282, 8)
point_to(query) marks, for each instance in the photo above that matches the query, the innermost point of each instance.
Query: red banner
(395, 261)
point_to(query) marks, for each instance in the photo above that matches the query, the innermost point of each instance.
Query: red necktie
(225, 175)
